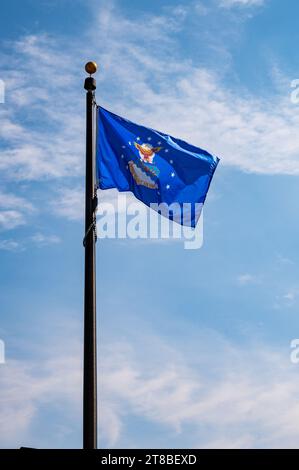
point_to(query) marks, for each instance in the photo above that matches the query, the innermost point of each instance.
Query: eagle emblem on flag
(144, 171)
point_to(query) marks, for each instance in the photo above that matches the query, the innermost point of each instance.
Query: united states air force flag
(164, 173)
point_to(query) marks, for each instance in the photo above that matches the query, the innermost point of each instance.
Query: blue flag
(164, 173)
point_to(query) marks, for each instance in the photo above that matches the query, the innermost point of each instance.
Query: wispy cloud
(284, 260)
(28, 386)
(192, 101)
(245, 130)
(44, 122)
(244, 3)
(13, 211)
(42, 239)
(288, 298)
(11, 219)
(69, 203)
(232, 397)
(11, 201)
(247, 398)
(246, 278)
(23, 393)
(10, 245)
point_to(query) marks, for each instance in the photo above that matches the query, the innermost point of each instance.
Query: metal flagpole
(90, 346)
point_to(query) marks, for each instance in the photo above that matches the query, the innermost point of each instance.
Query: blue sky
(194, 345)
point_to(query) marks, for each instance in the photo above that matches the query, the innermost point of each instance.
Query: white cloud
(289, 297)
(182, 98)
(240, 399)
(38, 239)
(13, 211)
(29, 386)
(69, 203)
(246, 278)
(11, 219)
(246, 3)
(42, 239)
(193, 102)
(11, 201)
(10, 245)
(43, 119)
(201, 8)
(206, 392)
(284, 260)
(162, 90)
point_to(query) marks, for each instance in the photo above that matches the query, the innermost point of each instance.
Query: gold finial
(91, 67)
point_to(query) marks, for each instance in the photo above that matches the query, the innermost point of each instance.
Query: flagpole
(90, 345)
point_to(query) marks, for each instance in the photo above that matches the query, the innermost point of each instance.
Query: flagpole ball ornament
(91, 67)
(90, 83)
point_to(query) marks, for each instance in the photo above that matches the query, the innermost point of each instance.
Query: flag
(163, 172)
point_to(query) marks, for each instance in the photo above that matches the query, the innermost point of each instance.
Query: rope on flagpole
(93, 226)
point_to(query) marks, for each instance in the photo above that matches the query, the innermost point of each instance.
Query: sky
(193, 345)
